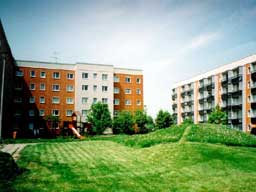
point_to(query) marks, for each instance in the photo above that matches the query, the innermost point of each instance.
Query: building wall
(92, 81)
(131, 100)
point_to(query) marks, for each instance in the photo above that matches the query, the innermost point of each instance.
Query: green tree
(123, 123)
(140, 118)
(150, 125)
(99, 117)
(163, 119)
(217, 116)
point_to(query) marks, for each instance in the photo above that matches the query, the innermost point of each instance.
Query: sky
(170, 40)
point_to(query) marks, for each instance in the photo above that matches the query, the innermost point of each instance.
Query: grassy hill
(150, 162)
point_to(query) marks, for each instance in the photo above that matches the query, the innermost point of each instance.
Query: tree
(123, 123)
(217, 116)
(140, 118)
(100, 118)
(163, 119)
(150, 125)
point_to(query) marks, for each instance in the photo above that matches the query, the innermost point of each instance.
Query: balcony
(253, 99)
(253, 114)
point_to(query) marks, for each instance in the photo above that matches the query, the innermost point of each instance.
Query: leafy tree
(140, 118)
(217, 116)
(163, 119)
(150, 125)
(99, 117)
(123, 123)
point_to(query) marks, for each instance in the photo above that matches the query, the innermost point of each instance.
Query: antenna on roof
(55, 56)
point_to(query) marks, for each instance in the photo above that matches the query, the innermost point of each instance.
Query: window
(31, 113)
(104, 88)
(104, 77)
(104, 100)
(116, 79)
(94, 87)
(84, 112)
(84, 87)
(116, 112)
(94, 100)
(18, 100)
(94, 75)
(138, 102)
(56, 87)
(55, 100)
(69, 113)
(69, 100)
(116, 102)
(138, 80)
(55, 112)
(32, 86)
(42, 100)
(32, 74)
(43, 74)
(41, 112)
(18, 86)
(32, 99)
(42, 86)
(138, 92)
(84, 100)
(70, 88)
(128, 91)
(84, 75)
(17, 112)
(19, 74)
(56, 75)
(128, 102)
(116, 90)
(128, 79)
(70, 76)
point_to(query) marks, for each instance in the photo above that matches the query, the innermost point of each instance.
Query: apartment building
(128, 90)
(232, 87)
(59, 89)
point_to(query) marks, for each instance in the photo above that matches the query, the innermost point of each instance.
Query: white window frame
(116, 90)
(70, 76)
(32, 73)
(32, 99)
(18, 100)
(55, 110)
(41, 99)
(84, 112)
(138, 102)
(42, 84)
(95, 75)
(104, 100)
(69, 100)
(56, 75)
(138, 91)
(34, 86)
(116, 79)
(95, 87)
(69, 113)
(85, 75)
(57, 98)
(68, 88)
(128, 102)
(41, 112)
(128, 79)
(41, 74)
(104, 88)
(104, 77)
(95, 100)
(31, 113)
(85, 86)
(128, 91)
(19, 73)
(116, 102)
(54, 86)
(84, 100)
(138, 82)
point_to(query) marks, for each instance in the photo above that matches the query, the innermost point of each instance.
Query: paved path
(186, 132)
(14, 149)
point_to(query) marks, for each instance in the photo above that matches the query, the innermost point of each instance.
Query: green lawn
(112, 165)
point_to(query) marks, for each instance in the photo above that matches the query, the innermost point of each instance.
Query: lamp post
(2, 94)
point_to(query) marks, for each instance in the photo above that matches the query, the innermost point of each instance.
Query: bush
(217, 116)
(8, 167)
(123, 123)
(140, 119)
(163, 119)
(99, 117)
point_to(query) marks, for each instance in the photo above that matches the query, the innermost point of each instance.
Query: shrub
(217, 116)
(123, 123)
(140, 119)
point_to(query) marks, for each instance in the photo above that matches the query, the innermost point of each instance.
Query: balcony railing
(253, 114)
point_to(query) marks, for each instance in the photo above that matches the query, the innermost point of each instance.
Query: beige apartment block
(231, 86)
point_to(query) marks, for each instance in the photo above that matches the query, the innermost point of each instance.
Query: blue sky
(170, 40)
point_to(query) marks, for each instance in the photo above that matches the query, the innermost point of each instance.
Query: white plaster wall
(90, 69)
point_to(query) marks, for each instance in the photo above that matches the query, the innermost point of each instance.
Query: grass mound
(210, 133)
(172, 134)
